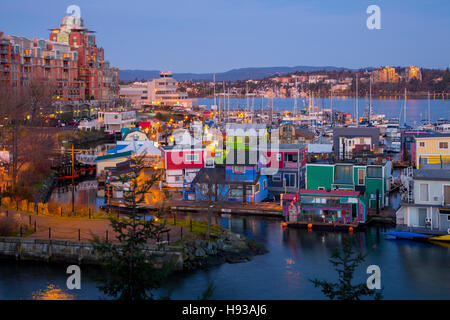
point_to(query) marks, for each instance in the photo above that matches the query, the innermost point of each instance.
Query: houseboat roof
(436, 135)
(432, 174)
(346, 193)
(113, 156)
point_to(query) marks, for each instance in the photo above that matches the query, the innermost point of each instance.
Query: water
(416, 110)
(85, 195)
(409, 270)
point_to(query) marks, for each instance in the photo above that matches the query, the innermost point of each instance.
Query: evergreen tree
(345, 264)
(130, 270)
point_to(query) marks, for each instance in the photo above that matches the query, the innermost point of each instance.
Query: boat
(407, 235)
(445, 238)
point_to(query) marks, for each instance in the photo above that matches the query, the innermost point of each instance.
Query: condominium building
(70, 60)
(413, 72)
(386, 74)
(162, 91)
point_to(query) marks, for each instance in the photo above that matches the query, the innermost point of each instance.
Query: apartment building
(70, 60)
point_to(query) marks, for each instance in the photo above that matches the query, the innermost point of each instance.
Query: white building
(161, 91)
(114, 121)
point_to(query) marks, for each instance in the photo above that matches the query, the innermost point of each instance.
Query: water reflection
(409, 270)
(52, 292)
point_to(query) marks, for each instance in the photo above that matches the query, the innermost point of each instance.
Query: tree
(345, 264)
(131, 274)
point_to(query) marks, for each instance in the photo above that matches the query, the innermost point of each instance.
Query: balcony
(291, 165)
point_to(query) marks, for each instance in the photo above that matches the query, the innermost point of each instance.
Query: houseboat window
(423, 192)
(289, 179)
(257, 187)
(343, 174)
(246, 141)
(374, 172)
(239, 169)
(236, 192)
(278, 156)
(446, 195)
(292, 157)
(361, 176)
(276, 177)
(422, 144)
(191, 157)
(264, 184)
(443, 145)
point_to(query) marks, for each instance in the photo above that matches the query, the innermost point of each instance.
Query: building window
(191, 157)
(246, 141)
(289, 179)
(423, 189)
(443, 145)
(422, 144)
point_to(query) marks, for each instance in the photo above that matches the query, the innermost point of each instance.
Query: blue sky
(219, 35)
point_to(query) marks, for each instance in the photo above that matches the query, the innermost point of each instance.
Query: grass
(198, 227)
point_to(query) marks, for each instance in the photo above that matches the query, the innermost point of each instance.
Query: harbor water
(416, 109)
(409, 270)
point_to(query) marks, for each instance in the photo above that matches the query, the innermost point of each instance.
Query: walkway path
(77, 229)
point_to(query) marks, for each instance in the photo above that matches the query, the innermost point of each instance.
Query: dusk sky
(219, 35)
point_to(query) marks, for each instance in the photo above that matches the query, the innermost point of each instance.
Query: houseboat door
(422, 216)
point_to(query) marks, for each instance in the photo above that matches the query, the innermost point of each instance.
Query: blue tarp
(117, 149)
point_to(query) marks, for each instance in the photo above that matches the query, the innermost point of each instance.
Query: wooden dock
(323, 226)
(267, 209)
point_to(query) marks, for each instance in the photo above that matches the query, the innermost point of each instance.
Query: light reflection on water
(52, 292)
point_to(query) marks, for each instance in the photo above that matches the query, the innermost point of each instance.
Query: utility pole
(73, 180)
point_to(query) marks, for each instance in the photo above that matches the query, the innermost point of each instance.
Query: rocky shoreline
(226, 248)
(189, 255)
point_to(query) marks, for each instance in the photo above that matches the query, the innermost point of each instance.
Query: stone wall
(73, 252)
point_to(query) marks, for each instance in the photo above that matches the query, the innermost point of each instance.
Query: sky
(202, 36)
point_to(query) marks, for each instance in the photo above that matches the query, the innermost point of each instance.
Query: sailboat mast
(370, 100)
(214, 80)
(357, 93)
(404, 107)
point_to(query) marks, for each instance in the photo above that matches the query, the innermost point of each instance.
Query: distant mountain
(232, 75)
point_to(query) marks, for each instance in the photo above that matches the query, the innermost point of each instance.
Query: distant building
(413, 72)
(386, 74)
(316, 78)
(161, 91)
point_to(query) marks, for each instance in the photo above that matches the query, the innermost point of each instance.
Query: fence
(34, 226)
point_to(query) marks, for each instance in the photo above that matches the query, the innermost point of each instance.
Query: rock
(219, 244)
(199, 252)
